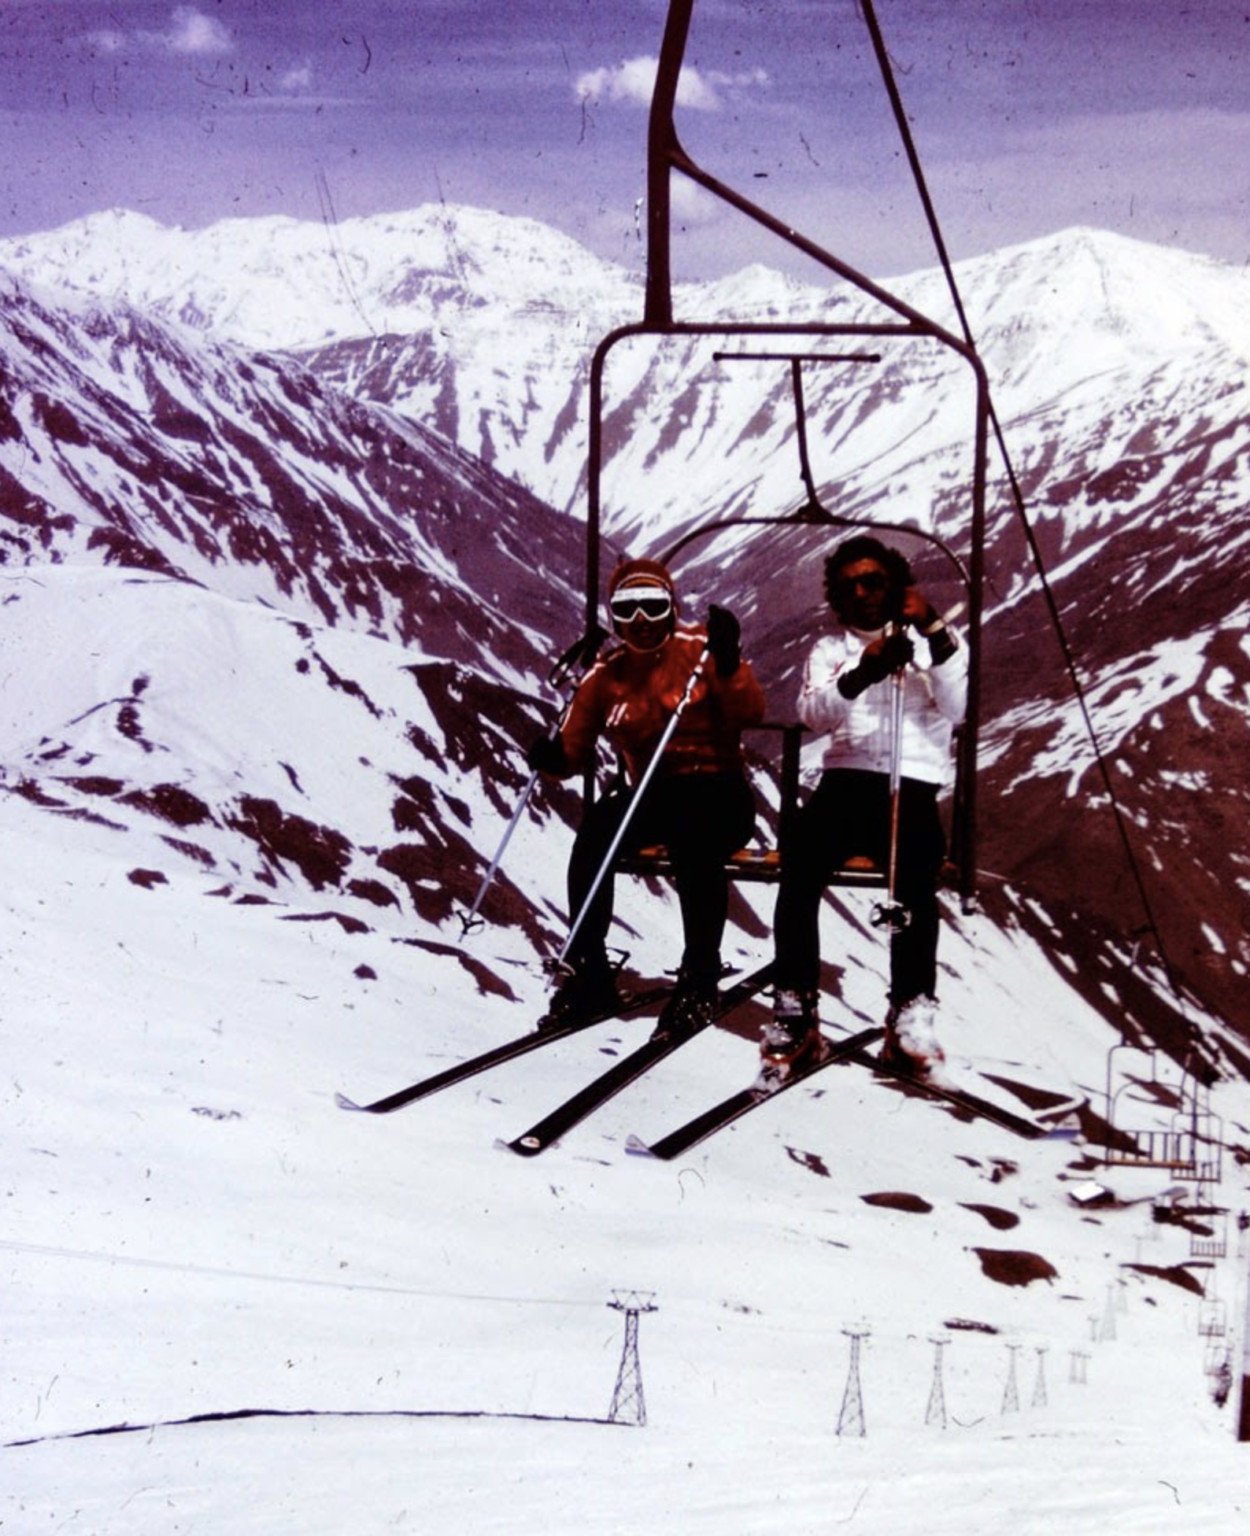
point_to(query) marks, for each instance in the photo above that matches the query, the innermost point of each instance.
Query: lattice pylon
(629, 1403)
(851, 1414)
(1011, 1392)
(1039, 1385)
(1077, 1361)
(935, 1413)
(1107, 1331)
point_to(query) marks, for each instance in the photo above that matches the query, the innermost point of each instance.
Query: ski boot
(791, 1035)
(691, 1005)
(911, 1043)
(587, 991)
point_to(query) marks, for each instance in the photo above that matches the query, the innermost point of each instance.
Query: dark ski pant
(701, 818)
(848, 815)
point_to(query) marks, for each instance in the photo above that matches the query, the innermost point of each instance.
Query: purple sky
(1030, 116)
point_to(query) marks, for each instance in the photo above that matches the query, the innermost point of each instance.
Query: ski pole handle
(896, 730)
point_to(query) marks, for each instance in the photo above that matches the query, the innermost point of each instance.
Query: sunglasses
(626, 607)
(872, 582)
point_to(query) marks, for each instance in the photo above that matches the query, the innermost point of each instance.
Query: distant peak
(126, 218)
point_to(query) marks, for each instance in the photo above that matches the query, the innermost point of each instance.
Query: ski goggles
(653, 603)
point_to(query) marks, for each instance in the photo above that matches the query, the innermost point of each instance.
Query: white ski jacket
(860, 729)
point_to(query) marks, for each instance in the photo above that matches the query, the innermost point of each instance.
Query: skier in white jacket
(847, 692)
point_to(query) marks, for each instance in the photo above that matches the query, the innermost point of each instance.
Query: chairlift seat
(762, 865)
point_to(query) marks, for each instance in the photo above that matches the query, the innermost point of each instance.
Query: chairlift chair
(1212, 1243)
(1212, 1318)
(799, 345)
(1188, 1146)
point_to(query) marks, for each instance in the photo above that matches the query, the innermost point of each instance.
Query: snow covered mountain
(481, 327)
(271, 651)
(129, 438)
(1118, 372)
(202, 469)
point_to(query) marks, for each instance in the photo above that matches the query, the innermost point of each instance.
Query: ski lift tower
(629, 1406)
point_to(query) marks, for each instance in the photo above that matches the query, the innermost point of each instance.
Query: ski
(961, 1098)
(521, 1045)
(853, 1049)
(746, 1099)
(627, 1070)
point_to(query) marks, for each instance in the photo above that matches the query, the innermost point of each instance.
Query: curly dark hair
(863, 546)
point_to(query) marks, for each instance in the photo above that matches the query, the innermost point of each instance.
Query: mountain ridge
(1134, 459)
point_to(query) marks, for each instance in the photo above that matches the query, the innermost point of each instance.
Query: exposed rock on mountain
(1118, 374)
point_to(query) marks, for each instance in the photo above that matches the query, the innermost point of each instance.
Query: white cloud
(743, 81)
(692, 205)
(634, 81)
(297, 79)
(193, 32)
(190, 32)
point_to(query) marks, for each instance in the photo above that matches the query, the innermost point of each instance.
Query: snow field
(192, 1227)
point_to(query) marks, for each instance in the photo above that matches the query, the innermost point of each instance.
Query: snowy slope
(194, 1229)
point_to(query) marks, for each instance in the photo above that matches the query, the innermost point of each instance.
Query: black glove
(723, 635)
(875, 666)
(546, 755)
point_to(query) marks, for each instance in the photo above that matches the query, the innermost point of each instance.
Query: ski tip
(344, 1102)
(637, 1147)
(523, 1146)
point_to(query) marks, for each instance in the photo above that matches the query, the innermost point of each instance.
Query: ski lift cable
(883, 60)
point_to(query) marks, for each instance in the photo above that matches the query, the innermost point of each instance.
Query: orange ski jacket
(628, 697)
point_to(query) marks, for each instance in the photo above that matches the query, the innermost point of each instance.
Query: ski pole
(891, 913)
(635, 801)
(471, 919)
(580, 654)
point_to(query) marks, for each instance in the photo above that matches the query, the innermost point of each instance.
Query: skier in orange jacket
(698, 802)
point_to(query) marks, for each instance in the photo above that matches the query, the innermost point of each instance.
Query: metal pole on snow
(891, 914)
(1243, 1405)
(579, 654)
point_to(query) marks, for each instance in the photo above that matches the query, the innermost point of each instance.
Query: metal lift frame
(1177, 1148)
(665, 155)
